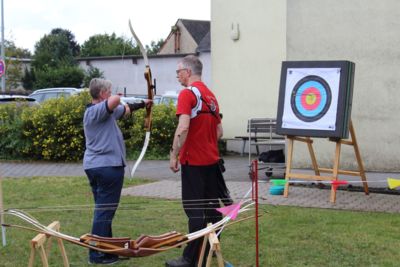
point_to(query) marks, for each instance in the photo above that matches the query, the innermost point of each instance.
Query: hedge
(54, 130)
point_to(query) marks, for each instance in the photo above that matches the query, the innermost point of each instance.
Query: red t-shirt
(201, 145)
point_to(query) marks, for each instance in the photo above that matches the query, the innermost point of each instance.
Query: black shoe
(179, 262)
(105, 261)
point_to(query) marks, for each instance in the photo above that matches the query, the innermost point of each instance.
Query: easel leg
(335, 170)
(32, 257)
(288, 166)
(202, 252)
(215, 247)
(312, 155)
(358, 157)
(63, 252)
(42, 253)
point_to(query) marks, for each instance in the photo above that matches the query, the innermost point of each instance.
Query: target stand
(41, 240)
(215, 248)
(334, 172)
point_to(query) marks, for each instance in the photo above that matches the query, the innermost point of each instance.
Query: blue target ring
(311, 98)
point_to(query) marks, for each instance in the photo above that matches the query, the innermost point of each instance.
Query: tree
(11, 50)
(108, 45)
(92, 72)
(63, 76)
(52, 51)
(154, 47)
(14, 56)
(54, 63)
(28, 79)
(73, 45)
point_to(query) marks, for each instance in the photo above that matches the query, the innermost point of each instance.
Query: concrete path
(167, 184)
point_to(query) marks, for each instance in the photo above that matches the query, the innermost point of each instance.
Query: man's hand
(148, 102)
(173, 162)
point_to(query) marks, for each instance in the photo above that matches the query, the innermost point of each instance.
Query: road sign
(2, 68)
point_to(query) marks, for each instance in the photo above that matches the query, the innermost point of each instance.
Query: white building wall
(128, 72)
(366, 32)
(246, 71)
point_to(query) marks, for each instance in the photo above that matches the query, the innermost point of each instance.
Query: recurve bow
(150, 95)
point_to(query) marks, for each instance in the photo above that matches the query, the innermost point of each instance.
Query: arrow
(337, 183)
(231, 210)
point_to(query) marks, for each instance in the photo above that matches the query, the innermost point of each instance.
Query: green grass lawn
(289, 236)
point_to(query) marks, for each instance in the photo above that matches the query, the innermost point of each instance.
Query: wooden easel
(335, 171)
(38, 243)
(215, 247)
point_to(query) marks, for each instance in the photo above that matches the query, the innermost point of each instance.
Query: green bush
(13, 142)
(164, 123)
(54, 131)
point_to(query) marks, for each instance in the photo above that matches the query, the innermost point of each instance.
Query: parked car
(156, 99)
(169, 97)
(130, 99)
(19, 99)
(44, 94)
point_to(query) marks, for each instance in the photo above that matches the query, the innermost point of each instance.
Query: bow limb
(150, 95)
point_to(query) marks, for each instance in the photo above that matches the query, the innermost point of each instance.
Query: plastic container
(278, 182)
(276, 189)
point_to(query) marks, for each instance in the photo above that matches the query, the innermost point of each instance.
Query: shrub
(164, 123)
(54, 131)
(13, 142)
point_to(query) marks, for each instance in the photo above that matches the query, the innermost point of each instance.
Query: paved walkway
(167, 184)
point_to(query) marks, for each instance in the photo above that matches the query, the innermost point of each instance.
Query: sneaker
(104, 261)
(179, 262)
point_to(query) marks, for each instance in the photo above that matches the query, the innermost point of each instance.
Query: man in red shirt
(195, 148)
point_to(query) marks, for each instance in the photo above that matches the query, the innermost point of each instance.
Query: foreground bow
(150, 95)
(144, 245)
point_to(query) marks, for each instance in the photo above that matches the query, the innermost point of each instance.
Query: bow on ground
(150, 95)
(144, 245)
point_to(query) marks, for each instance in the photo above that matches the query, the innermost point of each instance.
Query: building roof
(197, 28)
(205, 44)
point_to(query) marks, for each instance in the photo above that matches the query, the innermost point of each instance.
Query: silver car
(44, 94)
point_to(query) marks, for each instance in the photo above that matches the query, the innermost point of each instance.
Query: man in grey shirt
(104, 158)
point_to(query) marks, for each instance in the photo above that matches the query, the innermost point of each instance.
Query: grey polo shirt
(105, 145)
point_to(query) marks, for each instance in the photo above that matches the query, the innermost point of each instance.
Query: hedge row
(54, 130)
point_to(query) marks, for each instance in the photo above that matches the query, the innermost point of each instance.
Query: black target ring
(311, 98)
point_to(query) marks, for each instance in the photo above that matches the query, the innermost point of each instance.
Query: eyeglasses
(178, 71)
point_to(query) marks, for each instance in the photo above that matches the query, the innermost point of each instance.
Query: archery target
(315, 98)
(311, 98)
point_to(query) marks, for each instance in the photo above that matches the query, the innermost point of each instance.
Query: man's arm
(113, 102)
(179, 140)
(220, 131)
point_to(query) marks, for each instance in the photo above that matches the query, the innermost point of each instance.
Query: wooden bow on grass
(150, 95)
(144, 245)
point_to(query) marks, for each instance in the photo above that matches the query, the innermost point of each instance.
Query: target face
(315, 98)
(311, 98)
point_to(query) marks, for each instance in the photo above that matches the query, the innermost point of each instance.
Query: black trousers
(202, 186)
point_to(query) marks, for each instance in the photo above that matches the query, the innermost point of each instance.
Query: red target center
(311, 98)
